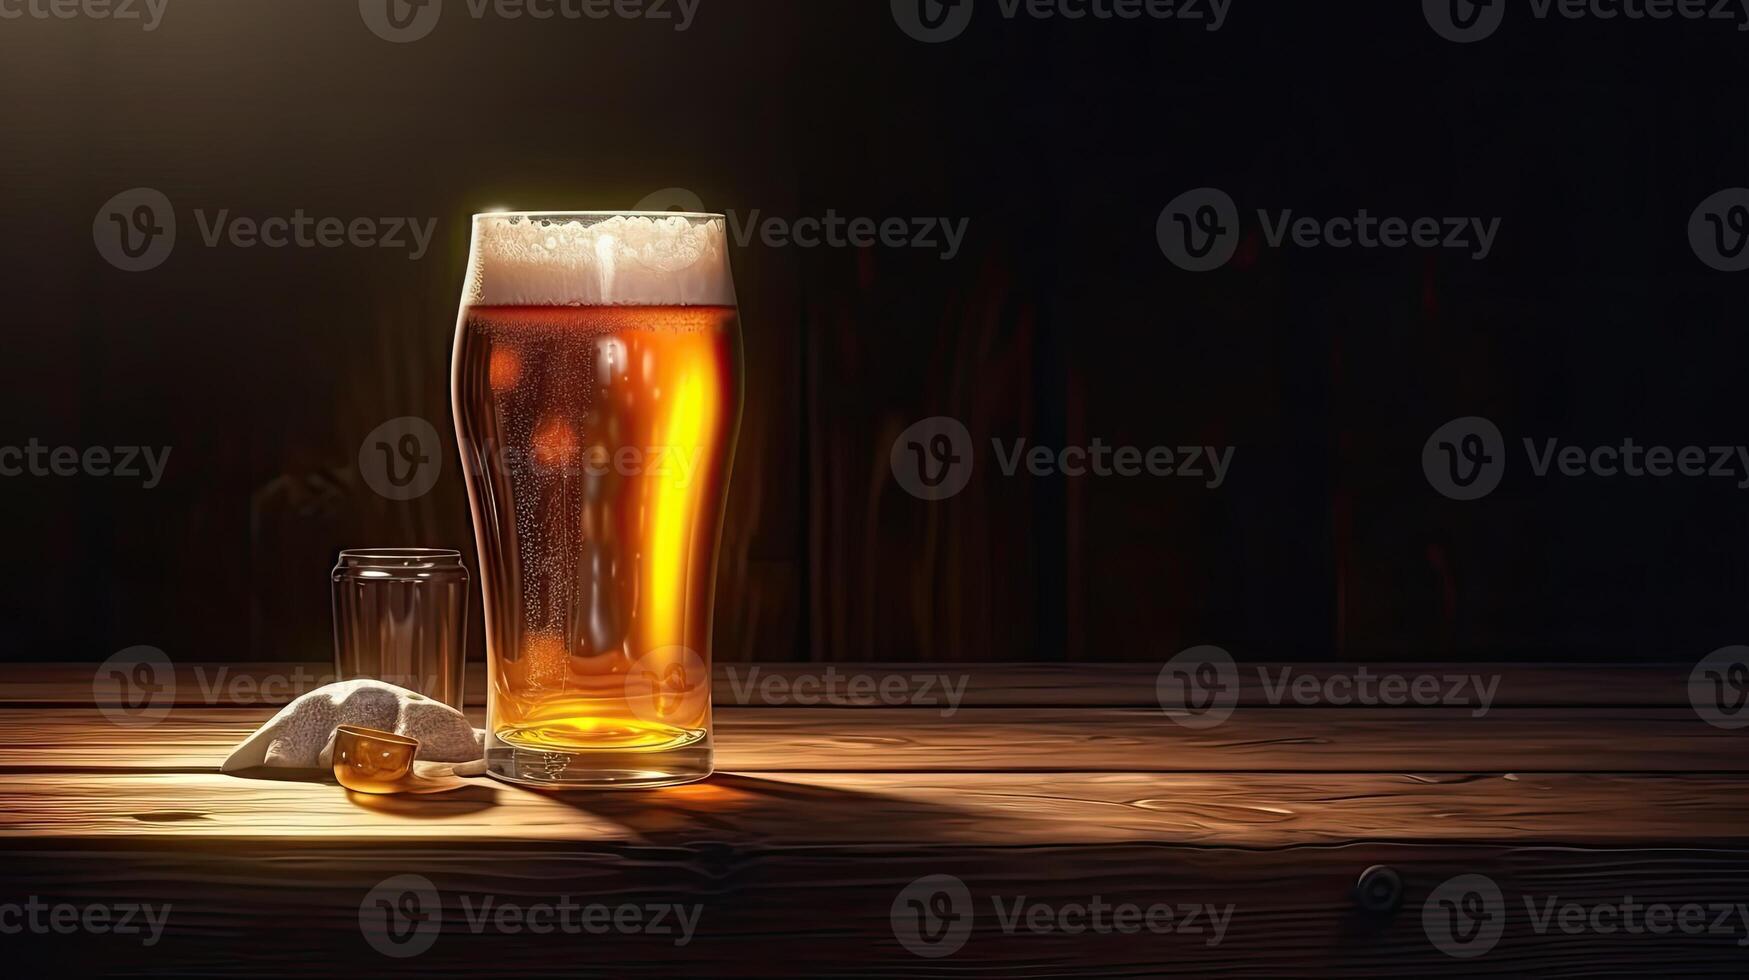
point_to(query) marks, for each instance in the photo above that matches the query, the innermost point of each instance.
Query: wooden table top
(1046, 794)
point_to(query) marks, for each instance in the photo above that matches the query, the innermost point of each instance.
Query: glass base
(597, 768)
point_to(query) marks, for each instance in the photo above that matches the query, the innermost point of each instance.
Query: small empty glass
(369, 761)
(400, 615)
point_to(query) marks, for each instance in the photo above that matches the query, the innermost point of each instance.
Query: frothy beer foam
(587, 260)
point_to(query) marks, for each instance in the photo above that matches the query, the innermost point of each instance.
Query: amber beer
(597, 389)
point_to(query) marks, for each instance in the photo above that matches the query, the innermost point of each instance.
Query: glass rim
(377, 734)
(603, 215)
(398, 554)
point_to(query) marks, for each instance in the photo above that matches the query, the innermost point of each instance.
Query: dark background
(1061, 320)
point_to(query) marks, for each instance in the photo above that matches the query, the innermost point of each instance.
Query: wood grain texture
(898, 810)
(796, 855)
(981, 685)
(1024, 740)
(829, 912)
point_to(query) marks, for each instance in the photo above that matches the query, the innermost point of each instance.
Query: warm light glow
(505, 369)
(555, 443)
(671, 508)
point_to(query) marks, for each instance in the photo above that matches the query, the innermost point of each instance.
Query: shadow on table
(467, 796)
(729, 808)
(733, 808)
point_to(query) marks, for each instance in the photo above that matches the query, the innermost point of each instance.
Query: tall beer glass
(597, 389)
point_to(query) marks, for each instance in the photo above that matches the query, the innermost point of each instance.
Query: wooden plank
(803, 911)
(861, 685)
(896, 809)
(1034, 739)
